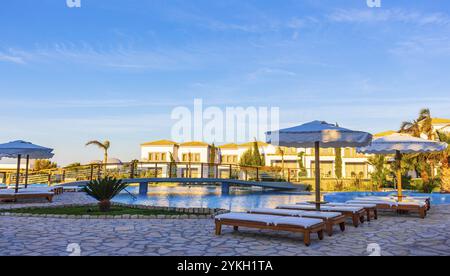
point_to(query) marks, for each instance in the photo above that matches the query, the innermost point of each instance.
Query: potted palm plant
(104, 190)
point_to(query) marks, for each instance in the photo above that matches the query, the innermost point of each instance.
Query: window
(230, 159)
(356, 170)
(326, 169)
(157, 157)
(191, 157)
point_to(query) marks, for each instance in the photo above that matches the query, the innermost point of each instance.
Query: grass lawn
(92, 211)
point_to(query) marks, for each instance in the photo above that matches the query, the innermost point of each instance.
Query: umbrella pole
(398, 158)
(18, 173)
(317, 165)
(26, 171)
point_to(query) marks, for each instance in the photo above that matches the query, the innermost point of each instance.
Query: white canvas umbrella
(17, 149)
(399, 144)
(318, 134)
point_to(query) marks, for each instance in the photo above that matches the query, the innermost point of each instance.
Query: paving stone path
(395, 235)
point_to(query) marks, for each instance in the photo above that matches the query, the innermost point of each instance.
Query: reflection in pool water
(209, 197)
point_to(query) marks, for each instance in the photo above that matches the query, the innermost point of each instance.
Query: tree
(445, 160)
(422, 125)
(73, 165)
(280, 151)
(173, 166)
(212, 159)
(247, 158)
(105, 146)
(338, 163)
(423, 163)
(303, 172)
(257, 157)
(43, 164)
(381, 172)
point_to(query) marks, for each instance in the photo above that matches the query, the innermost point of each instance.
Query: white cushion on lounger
(302, 222)
(322, 207)
(409, 203)
(21, 192)
(342, 209)
(296, 207)
(358, 201)
(317, 214)
(363, 205)
(267, 219)
(283, 212)
(337, 208)
(339, 204)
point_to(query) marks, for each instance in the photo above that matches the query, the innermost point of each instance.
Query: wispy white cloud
(261, 72)
(438, 45)
(117, 57)
(388, 15)
(4, 57)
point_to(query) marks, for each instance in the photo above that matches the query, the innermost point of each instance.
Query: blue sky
(115, 69)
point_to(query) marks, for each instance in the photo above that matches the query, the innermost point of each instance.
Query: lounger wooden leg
(423, 213)
(218, 228)
(307, 238)
(50, 199)
(361, 219)
(375, 214)
(235, 228)
(320, 234)
(329, 229)
(355, 220)
(342, 226)
(368, 216)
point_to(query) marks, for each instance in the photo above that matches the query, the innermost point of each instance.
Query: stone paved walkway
(396, 235)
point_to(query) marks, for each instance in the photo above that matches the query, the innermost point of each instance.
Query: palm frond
(96, 143)
(424, 114)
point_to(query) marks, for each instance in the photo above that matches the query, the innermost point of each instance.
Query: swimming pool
(436, 198)
(184, 196)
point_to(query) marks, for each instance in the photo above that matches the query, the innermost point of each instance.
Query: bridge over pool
(143, 173)
(224, 183)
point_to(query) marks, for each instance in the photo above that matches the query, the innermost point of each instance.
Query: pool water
(185, 196)
(436, 198)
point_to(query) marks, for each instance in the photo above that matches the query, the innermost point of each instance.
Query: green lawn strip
(93, 211)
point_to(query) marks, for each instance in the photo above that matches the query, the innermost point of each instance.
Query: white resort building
(297, 162)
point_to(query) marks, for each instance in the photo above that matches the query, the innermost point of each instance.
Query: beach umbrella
(318, 134)
(399, 144)
(19, 149)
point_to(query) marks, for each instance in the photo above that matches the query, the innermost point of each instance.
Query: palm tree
(445, 159)
(280, 151)
(105, 146)
(422, 125)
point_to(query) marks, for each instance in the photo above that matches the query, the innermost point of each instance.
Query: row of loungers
(6, 195)
(356, 214)
(418, 205)
(296, 218)
(31, 193)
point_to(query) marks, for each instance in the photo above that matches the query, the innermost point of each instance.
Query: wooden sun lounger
(330, 219)
(420, 208)
(371, 209)
(357, 214)
(57, 190)
(27, 195)
(307, 226)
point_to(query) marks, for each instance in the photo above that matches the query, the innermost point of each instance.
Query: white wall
(145, 150)
(203, 151)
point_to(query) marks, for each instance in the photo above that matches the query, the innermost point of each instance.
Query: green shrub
(104, 190)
